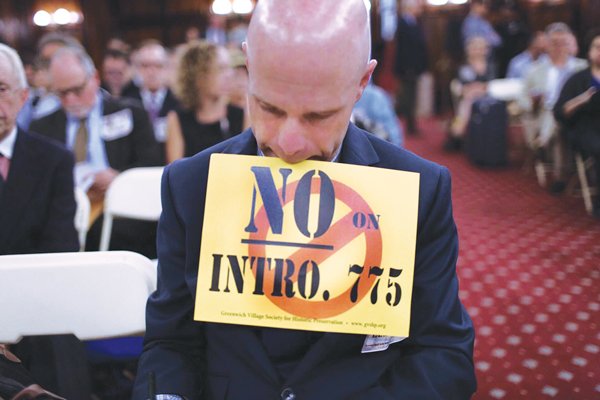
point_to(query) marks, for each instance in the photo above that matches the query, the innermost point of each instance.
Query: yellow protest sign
(316, 246)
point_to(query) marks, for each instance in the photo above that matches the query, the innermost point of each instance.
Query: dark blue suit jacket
(37, 205)
(220, 361)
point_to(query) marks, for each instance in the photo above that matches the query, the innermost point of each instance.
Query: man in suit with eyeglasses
(106, 135)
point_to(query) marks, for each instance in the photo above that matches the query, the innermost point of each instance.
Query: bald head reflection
(308, 63)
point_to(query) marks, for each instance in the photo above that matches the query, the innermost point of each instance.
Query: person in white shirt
(543, 84)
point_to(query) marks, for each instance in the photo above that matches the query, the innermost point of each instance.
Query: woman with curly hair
(203, 84)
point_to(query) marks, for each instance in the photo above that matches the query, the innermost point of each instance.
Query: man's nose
(70, 98)
(291, 137)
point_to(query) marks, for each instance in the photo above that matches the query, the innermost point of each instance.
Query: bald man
(308, 63)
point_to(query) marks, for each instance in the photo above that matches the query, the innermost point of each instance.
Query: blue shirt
(474, 26)
(45, 105)
(376, 104)
(519, 65)
(96, 154)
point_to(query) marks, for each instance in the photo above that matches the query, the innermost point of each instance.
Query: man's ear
(23, 94)
(364, 81)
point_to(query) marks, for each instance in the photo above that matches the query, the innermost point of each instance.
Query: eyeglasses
(77, 90)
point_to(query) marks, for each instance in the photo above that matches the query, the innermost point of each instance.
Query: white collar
(8, 144)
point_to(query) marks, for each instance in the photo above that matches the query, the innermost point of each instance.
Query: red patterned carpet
(529, 269)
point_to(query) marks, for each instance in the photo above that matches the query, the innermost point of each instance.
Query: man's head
(477, 47)
(74, 80)
(118, 44)
(558, 41)
(116, 69)
(49, 44)
(308, 63)
(192, 33)
(151, 63)
(412, 7)
(593, 39)
(538, 45)
(479, 7)
(13, 89)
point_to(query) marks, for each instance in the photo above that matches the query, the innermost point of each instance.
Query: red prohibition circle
(338, 235)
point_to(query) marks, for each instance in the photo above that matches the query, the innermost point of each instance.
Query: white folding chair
(82, 216)
(92, 295)
(506, 89)
(133, 194)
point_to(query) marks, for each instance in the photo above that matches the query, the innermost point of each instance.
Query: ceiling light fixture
(42, 18)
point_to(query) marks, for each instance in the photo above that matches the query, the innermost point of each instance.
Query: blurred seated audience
(543, 84)
(106, 135)
(374, 113)
(174, 56)
(514, 34)
(573, 45)
(475, 25)
(152, 63)
(118, 44)
(37, 216)
(116, 73)
(520, 65)
(410, 62)
(239, 88)
(216, 31)
(473, 78)
(192, 33)
(204, 83)
(237, 31)
(42, 101)
(578, 109)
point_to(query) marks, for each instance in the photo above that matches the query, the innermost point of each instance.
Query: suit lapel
(59, 127)
(357, 148)
(244, 143)
(23, 176)
(169, 103)
(113, 148)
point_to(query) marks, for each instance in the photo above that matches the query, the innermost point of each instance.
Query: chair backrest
(506, 89)
(92, 295)
(134, 194)
(82, 215)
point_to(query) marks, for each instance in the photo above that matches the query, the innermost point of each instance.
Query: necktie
(81, 142)
(153, 109)
(4, 165)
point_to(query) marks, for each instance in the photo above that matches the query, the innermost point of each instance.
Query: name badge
(117, 125)
(160, 129)
(375, 343)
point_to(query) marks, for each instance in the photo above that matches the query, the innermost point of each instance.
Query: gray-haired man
(106, 135)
